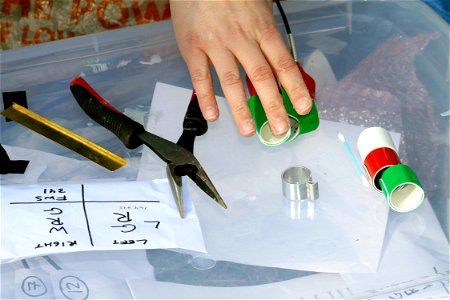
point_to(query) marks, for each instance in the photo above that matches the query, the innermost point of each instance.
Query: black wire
(283, 16)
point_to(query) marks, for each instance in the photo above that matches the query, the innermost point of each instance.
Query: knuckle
(232, 30)
(199, 76)
(298, 91)
(272, 107)
(267, 29)
(261, 73)
(240, 109)
(191, 38)
(285, 64)
(231, 78)
(205, 97)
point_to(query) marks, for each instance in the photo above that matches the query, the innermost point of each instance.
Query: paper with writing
(55, 218)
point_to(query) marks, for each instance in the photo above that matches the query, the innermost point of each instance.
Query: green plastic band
(262, 124)
(306, 123)
(402, 188)
(298, 124)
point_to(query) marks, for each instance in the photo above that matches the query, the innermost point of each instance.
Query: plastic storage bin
(387, 65)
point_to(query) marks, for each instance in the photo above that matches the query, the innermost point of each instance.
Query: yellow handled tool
(64, 137)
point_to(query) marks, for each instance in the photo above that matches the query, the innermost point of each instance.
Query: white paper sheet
(416, 250)
(55, 218)
(414, 265)
(408, 270)
(342, 232)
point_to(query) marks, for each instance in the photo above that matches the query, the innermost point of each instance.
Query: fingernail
(281, 126)
(303, 105)
(248, 127)
(210, 114)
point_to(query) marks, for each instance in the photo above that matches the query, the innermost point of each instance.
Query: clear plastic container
(387, 64)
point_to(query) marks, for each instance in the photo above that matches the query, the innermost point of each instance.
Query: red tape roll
(378, 160)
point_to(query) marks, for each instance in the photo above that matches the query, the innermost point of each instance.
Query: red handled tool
(179, 158)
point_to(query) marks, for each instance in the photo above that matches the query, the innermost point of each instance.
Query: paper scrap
(56, 218)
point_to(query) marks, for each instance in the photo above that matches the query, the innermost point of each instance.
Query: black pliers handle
(179, 158)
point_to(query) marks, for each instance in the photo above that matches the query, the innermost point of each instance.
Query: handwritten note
(54, 218)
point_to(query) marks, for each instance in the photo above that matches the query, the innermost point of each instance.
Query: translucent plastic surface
(382, 63)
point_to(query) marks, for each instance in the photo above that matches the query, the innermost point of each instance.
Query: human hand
(233, 33)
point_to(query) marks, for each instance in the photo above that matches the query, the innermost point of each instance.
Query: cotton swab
(353, 158)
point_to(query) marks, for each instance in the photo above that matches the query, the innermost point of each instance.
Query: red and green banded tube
(398, 182)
